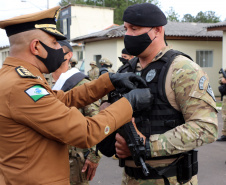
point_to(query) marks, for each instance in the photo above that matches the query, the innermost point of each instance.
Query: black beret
(124, 51)
(65, 43)
(145, 15)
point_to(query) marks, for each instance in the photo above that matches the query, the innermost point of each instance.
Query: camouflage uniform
(93, 73)
(199, 111)
(223, 109)
(76, 155)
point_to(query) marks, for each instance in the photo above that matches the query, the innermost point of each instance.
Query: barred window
(204, 58)
(79, 55)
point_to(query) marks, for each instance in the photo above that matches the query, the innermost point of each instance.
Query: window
(204, 58)
(97, 58)
(82, 67)
(79, 55)
(65, 26)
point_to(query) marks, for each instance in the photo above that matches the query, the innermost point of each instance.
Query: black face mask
(123, 60)
(54, 59)
(135, 45)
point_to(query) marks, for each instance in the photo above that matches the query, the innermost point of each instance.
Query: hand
(91, 167)
(223, 80)
(121, 147)
(124, 82)
(140, 99)
(104, 106)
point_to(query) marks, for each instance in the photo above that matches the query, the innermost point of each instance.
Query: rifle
(136, 147)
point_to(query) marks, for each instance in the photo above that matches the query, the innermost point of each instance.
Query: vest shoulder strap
(73, 81)
(168, 58)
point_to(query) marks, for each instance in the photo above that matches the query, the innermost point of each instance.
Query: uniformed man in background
(73, 62)
(93, 73)
(183, 115)
(222, 81)
(36, 123)
(125, 56)
(106, 66)
(83, 162)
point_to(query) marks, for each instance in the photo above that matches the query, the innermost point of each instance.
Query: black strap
(73, 81)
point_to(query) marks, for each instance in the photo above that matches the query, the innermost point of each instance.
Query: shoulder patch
(24, 73)
(36, 92)
(201, 82)
(210, 92)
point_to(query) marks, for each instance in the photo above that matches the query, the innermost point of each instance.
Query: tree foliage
(118, 5)
(205, 17)
(172, 15)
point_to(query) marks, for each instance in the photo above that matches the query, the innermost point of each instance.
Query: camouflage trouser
(76, 175)
(127, 180)
(224, 115)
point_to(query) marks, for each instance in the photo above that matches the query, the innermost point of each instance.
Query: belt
(153, 163)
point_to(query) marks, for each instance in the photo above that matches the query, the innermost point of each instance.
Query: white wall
(4, 52)
(190, 47)
(86, 20)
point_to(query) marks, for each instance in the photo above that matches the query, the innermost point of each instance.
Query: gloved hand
(124, 82)
(140, 99)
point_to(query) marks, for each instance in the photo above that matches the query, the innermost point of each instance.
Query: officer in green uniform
(83, 162)
(183, 115)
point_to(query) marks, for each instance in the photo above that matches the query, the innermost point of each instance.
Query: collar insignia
(24, 73)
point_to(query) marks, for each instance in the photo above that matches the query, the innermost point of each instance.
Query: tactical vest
(162, 116)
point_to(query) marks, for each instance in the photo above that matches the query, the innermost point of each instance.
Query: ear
(158, 30)
(35, 47)
(70, 54)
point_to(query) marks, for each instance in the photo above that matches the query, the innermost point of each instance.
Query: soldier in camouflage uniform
(222, 81)
(183, 115)
(106, 66)
(83, 162)
(93, 73)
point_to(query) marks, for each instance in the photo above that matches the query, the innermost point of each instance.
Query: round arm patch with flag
(36, 92)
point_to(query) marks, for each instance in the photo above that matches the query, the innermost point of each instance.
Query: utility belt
(183, 167)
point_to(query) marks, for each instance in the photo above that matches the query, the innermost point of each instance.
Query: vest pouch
(184, 168)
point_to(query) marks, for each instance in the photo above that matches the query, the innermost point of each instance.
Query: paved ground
(212, 167)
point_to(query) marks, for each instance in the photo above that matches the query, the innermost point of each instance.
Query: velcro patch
(36, 92)
(24, 73)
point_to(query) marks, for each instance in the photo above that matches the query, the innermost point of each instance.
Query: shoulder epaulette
(24, 73)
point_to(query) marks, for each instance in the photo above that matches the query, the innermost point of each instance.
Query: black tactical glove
(124, 82)
(139, 99)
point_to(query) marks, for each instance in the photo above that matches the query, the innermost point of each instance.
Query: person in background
(38, 123)
(106, 66)
(73, 62)
(183, 115)
(93, 73)
(222, 81)
(125, 56)
(83, 162)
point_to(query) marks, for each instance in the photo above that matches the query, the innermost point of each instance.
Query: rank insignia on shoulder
(24, 73)
(36, 92)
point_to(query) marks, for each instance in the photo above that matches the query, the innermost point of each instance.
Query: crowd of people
(55, 133)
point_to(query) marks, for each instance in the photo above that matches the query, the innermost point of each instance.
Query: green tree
(172, 15)
(118, 5)
(207, 17)
(188, 18)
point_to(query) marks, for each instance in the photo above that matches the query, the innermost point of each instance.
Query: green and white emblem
(36, 92)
